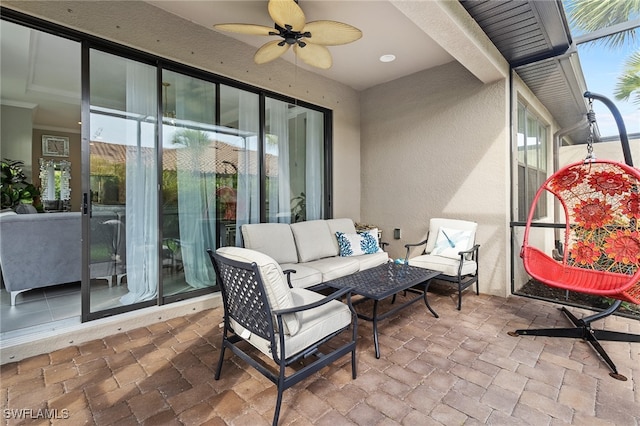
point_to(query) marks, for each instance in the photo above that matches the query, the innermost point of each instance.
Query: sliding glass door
(123, 168)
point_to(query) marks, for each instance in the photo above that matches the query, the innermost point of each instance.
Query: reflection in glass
(123, 175)
(55, 178)
(294, 162)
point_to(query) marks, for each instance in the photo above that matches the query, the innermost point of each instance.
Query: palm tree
(629, 82)
(592, 15)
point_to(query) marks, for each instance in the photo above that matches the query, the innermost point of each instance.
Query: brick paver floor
(462, 368)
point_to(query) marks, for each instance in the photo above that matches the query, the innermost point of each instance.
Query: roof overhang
(534, 38)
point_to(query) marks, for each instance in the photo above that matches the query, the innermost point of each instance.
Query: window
(532, 162)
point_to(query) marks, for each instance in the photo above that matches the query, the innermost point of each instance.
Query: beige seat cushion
(304, 276)
(445, 265)
(335, 267)
(278, 291)
(272, 239)
(372, 260)
(315, 324)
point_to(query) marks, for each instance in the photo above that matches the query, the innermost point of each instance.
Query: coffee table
(384, 281)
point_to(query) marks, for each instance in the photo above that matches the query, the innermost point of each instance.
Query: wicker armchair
(285, 324)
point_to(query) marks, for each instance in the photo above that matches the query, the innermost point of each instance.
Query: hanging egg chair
(600, 250)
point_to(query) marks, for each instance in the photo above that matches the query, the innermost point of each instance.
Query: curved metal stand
(582, 330)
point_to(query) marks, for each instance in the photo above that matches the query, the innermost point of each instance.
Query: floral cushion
(358, 243)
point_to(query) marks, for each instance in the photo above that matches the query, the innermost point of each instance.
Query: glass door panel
(123, 226)
(209, 180)
(188, 183)
(238, 165)
(294, 158)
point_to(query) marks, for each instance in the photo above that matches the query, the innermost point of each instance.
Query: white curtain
(279, 188)
(142, 184)
(248, 197)
(196, 184)
(197, 223)
(313, 166)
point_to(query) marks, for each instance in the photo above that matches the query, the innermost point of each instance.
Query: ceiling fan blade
(246, 29)
(270, 51)
(287, 12)
(314, 55)
(331, 33)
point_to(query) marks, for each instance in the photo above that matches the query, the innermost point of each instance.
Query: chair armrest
(473, 249)
(288, 273)
(335, 295)
(383, 244)
(408, 246)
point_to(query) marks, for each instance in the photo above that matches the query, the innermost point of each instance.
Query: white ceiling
(385, 31)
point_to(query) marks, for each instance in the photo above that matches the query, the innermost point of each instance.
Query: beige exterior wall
(436, 144)
(147, 28)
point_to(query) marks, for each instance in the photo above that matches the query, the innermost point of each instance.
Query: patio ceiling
(534, 38)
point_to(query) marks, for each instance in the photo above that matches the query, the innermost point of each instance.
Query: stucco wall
(147, 28)
(436, 143)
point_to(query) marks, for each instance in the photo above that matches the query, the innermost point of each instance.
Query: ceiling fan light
(387, 58)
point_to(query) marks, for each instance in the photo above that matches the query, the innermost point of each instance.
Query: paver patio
(462, 368)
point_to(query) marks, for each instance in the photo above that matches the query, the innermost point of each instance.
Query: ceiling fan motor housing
(291, 37)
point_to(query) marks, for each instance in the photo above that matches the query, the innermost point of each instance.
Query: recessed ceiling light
(387, 58)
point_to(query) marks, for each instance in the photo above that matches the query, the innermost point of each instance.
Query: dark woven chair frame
(245, 301)
(461, 281)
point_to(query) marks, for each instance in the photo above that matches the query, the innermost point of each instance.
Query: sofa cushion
(273, 239)
(445, 265)
(335, 267)
(367, 261)
(313, 240)
(345, 225)
(304, 276)
(278, 291)
(358, 243)
(316, 323)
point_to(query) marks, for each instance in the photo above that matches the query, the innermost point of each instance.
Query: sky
(602, 67)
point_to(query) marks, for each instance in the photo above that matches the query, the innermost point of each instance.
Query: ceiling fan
(307, 38)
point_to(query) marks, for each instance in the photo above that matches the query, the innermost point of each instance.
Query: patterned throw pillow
(452, 241)
(359, 243)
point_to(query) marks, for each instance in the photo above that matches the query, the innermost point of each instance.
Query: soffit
(534, 38)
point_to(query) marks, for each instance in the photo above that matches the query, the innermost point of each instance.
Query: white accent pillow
(359, 243)
(452, 241)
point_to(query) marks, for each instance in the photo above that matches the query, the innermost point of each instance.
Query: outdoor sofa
(313, 250)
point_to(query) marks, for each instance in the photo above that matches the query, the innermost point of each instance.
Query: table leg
(426, 302)
(375, 329)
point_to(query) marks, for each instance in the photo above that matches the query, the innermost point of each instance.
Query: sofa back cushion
(314, 240)
(273, 239)
(344, 225)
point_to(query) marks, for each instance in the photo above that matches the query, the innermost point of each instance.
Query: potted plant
(14, 188)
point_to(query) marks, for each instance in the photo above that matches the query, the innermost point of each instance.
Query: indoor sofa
(315, 251)
(45, 249)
